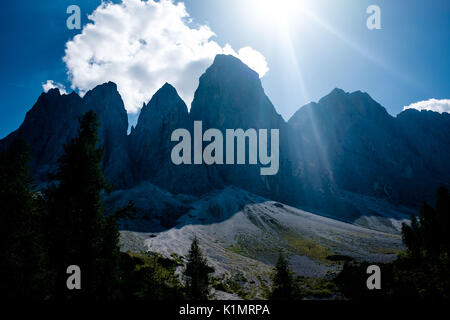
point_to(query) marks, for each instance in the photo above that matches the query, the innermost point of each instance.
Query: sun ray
(362, 51)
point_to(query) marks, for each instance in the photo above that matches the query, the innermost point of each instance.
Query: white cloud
(252, 58)
(436, 105)
(50, 84)
(140, 45)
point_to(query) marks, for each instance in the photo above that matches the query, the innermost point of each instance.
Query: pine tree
(197, 274)
(283, 284)
(79, 233)
(429, 234)
(22, 255)
(411, 237)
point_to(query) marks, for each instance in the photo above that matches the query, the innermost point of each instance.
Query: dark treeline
(44, 232)
(23, 251)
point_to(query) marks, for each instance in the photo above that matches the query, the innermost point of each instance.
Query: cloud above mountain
(436, 105)
(50, 84)
(140, 45)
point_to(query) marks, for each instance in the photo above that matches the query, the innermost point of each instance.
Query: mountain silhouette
(230, 96)
(53, 121)
(150, 147)
(349, 141)
(344, 143)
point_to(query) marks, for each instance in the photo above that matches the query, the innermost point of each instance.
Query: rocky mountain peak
(52, 92)
(165, 108)
(53, 121)
(230, 95)
(150, 141)
(105, 97)
(166, 100)
(230, 67)
(340, 106)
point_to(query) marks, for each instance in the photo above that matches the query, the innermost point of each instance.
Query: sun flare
(278, 12)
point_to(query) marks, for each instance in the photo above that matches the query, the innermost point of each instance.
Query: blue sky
(307, 54)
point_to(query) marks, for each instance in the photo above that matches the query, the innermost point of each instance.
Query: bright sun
(279, 11)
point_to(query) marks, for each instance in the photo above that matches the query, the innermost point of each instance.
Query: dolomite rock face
(151, 146)
(53, 121)
(105, 100)
(230, 96)
(350, 142)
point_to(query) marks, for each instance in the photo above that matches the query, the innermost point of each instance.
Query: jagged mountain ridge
(230, 96)
(345, 142)
(150, 146)
(53, 121)
(361, 148)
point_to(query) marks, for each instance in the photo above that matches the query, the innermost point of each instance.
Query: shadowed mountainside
(343, 148)
(349, 142)
(53, 121)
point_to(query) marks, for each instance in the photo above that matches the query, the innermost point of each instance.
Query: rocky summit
(338, 156)
(53, 121)
(349, 142)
